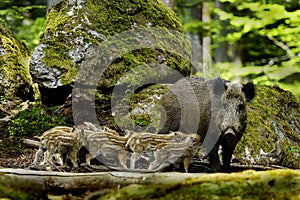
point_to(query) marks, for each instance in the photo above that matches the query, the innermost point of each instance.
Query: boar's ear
(249, 90)
(225, 82)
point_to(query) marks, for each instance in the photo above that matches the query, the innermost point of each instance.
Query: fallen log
(273, 184)
(200, 166)
(16, 187)
(126, 185)
(59, 183)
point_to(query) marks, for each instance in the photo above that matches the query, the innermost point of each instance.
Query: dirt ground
(23, 160)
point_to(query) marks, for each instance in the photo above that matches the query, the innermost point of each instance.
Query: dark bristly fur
(213, 108)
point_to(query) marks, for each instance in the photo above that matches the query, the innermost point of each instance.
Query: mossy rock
(76, 32)
(275, 184)
(140, 111)
(273, 129)
(15, 79)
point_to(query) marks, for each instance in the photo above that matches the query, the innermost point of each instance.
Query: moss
(70, 27)
(273, 110)
(276, 184)
(142, 120)
(16, 81)
(28, 123)
(108, 18)
(143, 106)
(120, 16)
(148, 98)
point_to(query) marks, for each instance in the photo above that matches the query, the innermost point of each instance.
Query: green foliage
(265, 75)
(267, 37)
(30, 33)
(259, 38)
(267, 20)
(34, 121)
(142, 120)
(19, 19)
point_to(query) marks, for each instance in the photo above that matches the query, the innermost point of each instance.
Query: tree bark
(196, 40)
(206, 41)
(220, 52)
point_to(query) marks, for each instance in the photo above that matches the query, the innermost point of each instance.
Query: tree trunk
(206, 41)
(220, 52)
(196, 40)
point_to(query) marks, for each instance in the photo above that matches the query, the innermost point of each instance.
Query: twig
(282, 45)
(5, 111)
(31, 143)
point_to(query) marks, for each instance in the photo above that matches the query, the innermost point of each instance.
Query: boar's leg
(73, 157)
(213, 158)
(38, 154)
(227, 155)
(228, 146)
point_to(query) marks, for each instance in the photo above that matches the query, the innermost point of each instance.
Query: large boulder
(15, 79)
(272, 136)
(75, 31)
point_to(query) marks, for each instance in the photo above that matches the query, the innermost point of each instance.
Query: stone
(15, 80)
(75, 31)
(272, 136)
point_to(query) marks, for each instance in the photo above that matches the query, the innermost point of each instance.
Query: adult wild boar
(213, 108)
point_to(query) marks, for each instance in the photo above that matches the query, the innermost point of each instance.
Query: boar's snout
(230, 132)
(229, 137)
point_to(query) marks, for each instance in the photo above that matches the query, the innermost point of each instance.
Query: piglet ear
(249, 90)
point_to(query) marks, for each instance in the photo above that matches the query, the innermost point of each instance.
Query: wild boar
(173, 152)
(107, 144)
(65, 141)
(214, 108)
(139, 142)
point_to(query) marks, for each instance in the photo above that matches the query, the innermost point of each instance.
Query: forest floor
(26, 158)
(14, 160)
